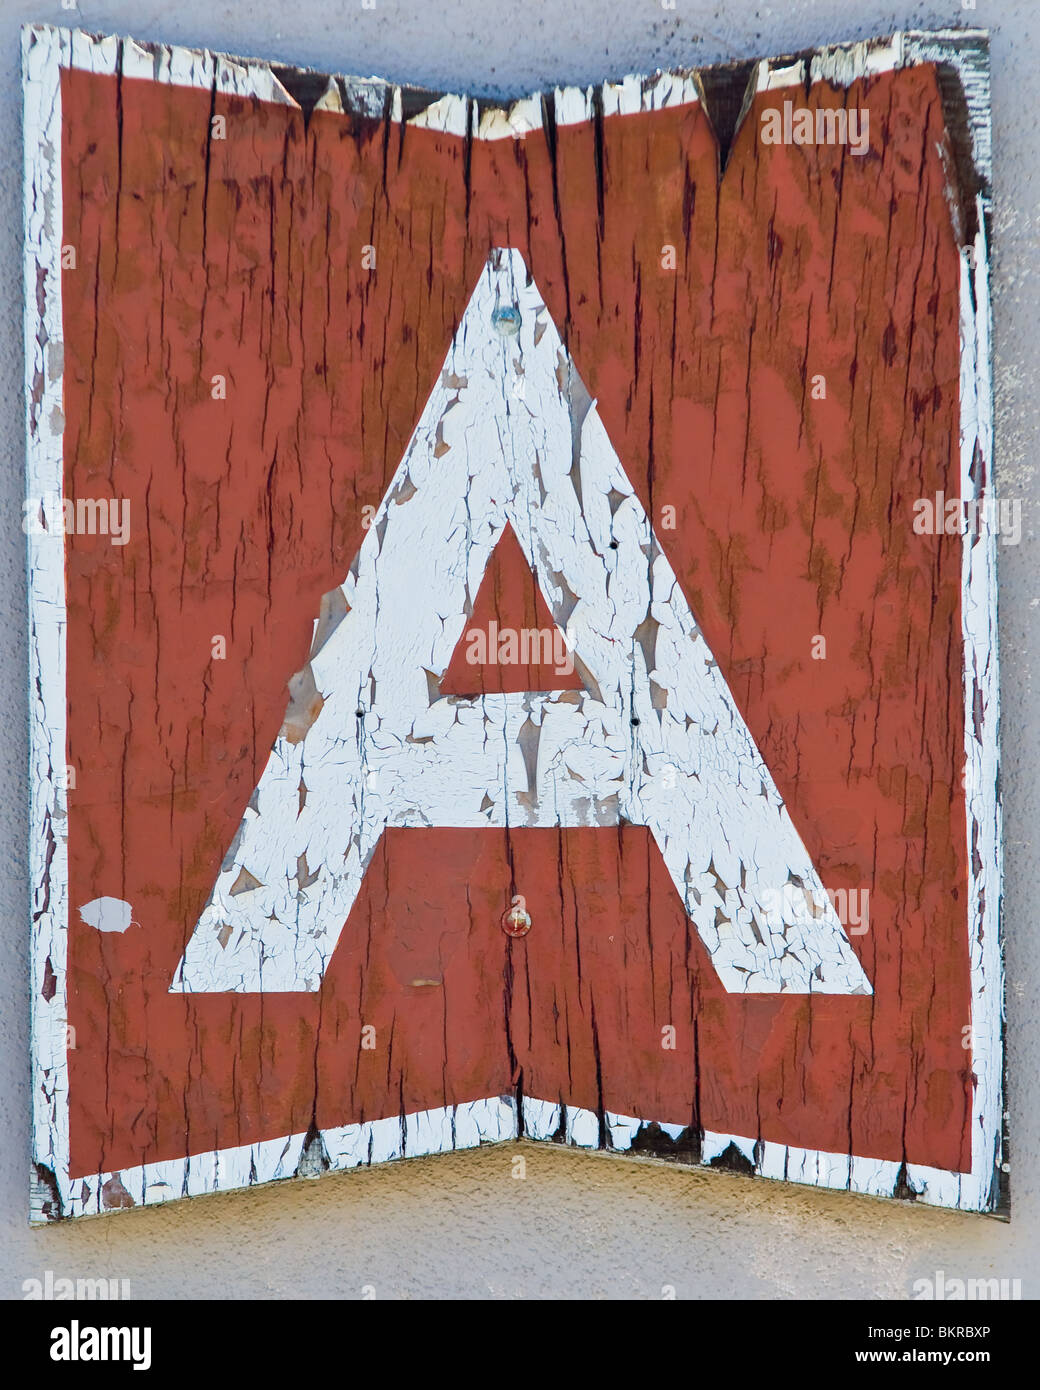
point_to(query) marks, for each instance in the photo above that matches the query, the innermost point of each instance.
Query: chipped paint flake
(107, 914)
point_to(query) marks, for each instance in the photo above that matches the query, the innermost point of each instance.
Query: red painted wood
(509, 602)
(793, 518)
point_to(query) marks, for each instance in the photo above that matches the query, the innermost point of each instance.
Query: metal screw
(516, 920)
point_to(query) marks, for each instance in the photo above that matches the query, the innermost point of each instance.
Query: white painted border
(48, 855)
(982, 747)
(45, 50)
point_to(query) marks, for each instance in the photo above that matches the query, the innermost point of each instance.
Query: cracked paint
(571, 1052)
(475, 465)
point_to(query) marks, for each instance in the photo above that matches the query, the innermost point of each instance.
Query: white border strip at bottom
(491, 1121)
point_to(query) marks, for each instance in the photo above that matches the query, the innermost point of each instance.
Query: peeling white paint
(330, 99)
(44, 53)
(981, 740)
(521, 118)
(452, 114)
(658, 741)
(769, 77)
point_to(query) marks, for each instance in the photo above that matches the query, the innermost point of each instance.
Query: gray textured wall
(578, 1226)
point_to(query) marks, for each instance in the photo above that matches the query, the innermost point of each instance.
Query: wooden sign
(502, 665)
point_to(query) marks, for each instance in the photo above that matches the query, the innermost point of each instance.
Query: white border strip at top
(45, 51)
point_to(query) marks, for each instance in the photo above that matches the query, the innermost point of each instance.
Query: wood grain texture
(243, 257)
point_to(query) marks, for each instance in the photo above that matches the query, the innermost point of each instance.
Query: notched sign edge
(961, 59)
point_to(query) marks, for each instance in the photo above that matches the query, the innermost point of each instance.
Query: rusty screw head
(516, 920)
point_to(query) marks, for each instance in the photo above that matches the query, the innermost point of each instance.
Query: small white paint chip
(519, 120)
(330, 99)
(449, 114)
(770, 78)
(108, 914)
(572, 105)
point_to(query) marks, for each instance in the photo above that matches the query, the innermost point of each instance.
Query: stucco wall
(576, 1226)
